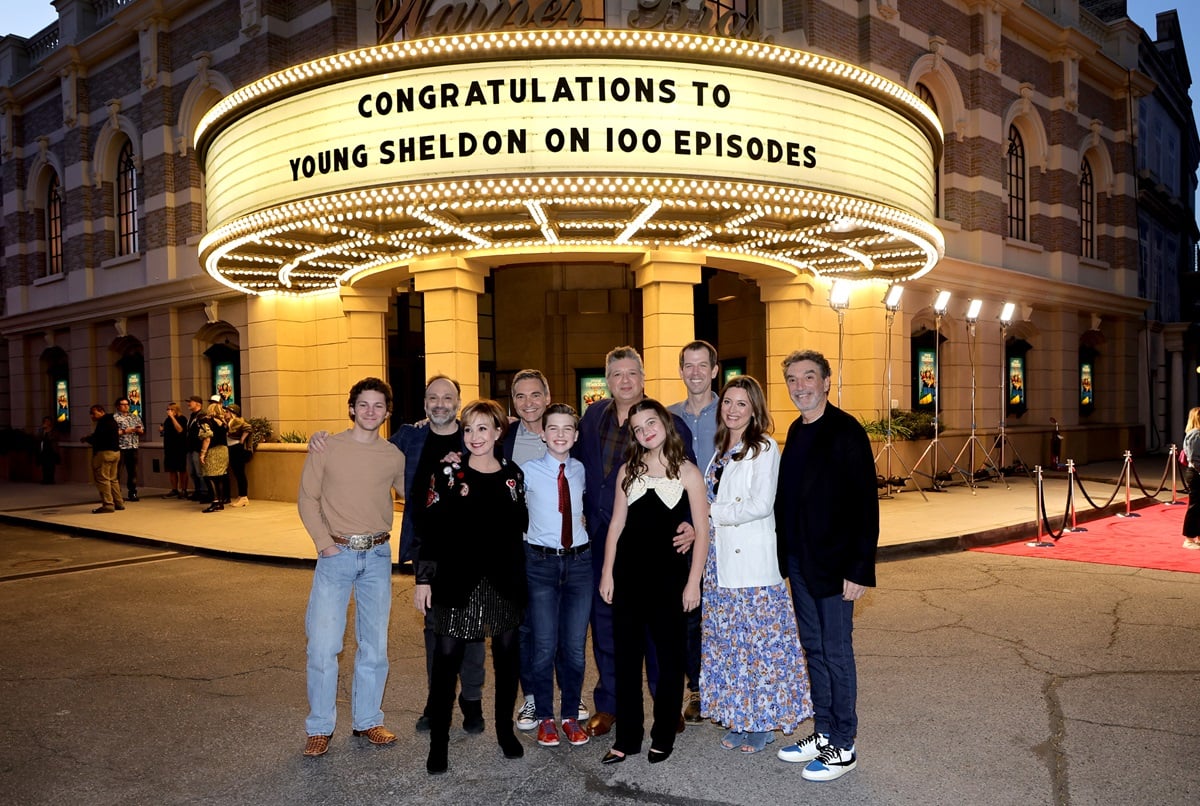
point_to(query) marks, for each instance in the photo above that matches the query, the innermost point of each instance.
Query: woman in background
(1191, 449)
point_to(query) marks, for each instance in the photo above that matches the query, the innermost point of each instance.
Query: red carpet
(1152, 541)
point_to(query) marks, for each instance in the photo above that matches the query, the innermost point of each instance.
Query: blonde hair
(1193, 419)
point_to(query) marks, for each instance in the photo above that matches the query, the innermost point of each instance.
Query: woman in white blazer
(753, 679)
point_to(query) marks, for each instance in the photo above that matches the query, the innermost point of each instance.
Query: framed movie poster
(592, 387)
(133, 391)
(926, 377)
(62, 402)
(732, 367)
(1087, 401)
(1016, 381)
(225, 384)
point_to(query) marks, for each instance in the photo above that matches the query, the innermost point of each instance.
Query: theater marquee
(567, 140)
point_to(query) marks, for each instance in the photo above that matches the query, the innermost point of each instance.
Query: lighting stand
(973, 440)
(1001, 439)
(935, 444)
(888, 448)
(841, 315)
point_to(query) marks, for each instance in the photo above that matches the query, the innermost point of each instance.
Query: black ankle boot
(472, 715)
(439, 755)
(509, 743)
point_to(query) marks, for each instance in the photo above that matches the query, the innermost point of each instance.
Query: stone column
(790, 327)
(668, 319)
(451, 287)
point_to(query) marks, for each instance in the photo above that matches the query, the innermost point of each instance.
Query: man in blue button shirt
(698, 368)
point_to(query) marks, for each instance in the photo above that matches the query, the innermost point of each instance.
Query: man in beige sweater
(346, 506)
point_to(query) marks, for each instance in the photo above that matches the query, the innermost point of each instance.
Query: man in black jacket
(827, 521)
(106, 456)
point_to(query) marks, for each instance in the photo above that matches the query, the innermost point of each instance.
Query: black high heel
(215, 506)
(655, 756)
(612, 758)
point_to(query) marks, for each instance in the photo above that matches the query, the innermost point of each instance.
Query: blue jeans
(826, 628)
(369, 575)
(560, 602)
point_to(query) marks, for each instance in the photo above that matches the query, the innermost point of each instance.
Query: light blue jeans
(369, 575)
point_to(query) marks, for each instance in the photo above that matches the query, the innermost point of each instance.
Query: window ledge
(114, 262)
(1093, 263)
(49, 278)
(945, 225)
(1028, 246)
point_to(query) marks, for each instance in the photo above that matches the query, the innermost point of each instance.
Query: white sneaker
(584, 713)
(527, 716)
(805, 749)
(1191, 543)
(831, 764)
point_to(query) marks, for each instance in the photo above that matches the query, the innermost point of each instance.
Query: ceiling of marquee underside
(324, 243)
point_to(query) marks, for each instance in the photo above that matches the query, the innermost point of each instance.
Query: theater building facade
(272, 200)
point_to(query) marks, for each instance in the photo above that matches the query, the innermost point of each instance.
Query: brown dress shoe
(691, 711)
(600, 723)
(377, 735)
(316, 745)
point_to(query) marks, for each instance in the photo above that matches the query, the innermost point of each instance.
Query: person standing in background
(129, 431)
(106, 456)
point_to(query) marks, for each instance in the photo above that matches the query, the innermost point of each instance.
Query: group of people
(526, 532)
(208, 446)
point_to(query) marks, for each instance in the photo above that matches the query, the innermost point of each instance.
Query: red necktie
(564, 505)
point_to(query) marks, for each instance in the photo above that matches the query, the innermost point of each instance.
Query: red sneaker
(575, 734)
(547, 733)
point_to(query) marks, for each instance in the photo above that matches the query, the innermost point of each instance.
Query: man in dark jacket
(827, 520)
(603, 436)
(106, 457)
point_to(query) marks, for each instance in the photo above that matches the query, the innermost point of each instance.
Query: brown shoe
(377, 735)
(679, 728)
(691, 711)
(316, 745)
(600, 723)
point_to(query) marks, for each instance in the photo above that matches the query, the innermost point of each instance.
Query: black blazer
(827, 507)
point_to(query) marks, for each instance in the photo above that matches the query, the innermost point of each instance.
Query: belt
(362, 542)
(559, 552)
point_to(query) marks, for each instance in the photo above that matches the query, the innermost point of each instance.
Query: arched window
(1087, 210)
(925, 95)
(54, 235)
(126, 206)
(1016, 184)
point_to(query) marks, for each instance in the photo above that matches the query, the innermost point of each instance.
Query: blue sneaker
(831, 764)
(805, 749)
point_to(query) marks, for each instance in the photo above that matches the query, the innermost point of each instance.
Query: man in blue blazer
(827, 523)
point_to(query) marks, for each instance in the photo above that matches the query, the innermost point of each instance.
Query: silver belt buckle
(360, 542)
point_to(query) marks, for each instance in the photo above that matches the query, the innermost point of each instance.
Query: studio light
(1006, 313)
(941, 303)
(892, 300)
(973, 310)
(839, 295)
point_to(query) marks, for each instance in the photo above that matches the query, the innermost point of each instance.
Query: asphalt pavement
(165, 664)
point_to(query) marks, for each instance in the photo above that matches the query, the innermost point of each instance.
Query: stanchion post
(1174, 462)
(1074, 529)
(1038, 491)
(1126, 471)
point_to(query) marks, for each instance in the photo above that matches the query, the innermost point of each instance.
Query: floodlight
(942, 302)
(839, 295)
(1006, 313)
(973, 310)
(892, 300)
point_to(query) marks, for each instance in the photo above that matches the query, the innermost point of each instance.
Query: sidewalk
(950, 520)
